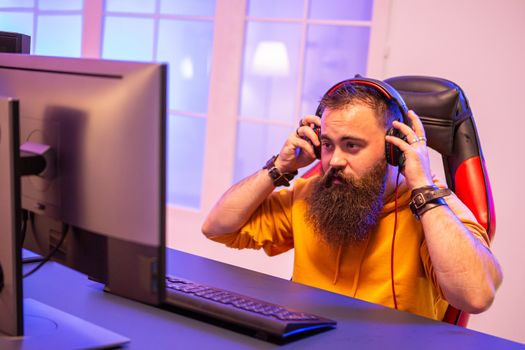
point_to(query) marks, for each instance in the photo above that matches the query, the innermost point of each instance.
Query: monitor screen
(10, 263)
(105, 122)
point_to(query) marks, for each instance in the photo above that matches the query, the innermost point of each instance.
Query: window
(44, 21)
(181, 34)
(295, 50)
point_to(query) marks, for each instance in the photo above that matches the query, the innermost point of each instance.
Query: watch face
(278, 178)
(274, 173)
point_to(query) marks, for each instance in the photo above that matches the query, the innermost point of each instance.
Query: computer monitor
(106, 123)
(11, 320)
(14, 42)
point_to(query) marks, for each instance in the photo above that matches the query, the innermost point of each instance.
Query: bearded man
(352, 227)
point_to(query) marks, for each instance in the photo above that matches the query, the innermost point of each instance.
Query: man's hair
(351, 94)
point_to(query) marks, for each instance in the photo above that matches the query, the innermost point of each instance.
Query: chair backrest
(451, 131)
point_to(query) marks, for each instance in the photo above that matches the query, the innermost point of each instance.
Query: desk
(361, 325)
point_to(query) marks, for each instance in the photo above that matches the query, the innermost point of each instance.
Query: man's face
(347, 200)
(352, 140)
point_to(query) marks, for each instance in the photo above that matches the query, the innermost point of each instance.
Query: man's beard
(346, 212)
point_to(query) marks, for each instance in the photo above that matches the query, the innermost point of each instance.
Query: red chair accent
(470, 176)
(316, 169)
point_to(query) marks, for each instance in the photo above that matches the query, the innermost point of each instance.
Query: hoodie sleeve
(270, 227)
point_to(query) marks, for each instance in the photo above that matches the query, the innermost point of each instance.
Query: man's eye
(326, 145)
(351, 146)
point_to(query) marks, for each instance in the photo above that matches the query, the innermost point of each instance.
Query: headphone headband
(393, 154)
(384, 88)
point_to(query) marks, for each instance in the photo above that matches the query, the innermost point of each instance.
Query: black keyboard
(264, 318)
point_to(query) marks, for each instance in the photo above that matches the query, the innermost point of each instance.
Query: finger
(405, 130)
(406, 146)
(306, 132)
(402, 145)
(420, 139)
(296, 140)
(304, 146)
(416, 123)
(310, 119)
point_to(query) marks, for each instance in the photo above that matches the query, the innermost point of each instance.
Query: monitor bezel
(11, 295)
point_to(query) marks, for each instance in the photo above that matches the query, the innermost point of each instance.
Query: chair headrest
(441, 105)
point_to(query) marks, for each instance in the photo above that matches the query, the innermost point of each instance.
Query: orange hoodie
(362, 271)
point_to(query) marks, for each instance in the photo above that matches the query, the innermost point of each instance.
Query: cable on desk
(23, 232)
(65, 229)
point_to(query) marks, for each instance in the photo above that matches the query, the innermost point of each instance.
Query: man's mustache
(333, 174)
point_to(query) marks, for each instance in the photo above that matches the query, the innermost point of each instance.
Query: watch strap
(278, 178)
(430, 205)
(426, 198)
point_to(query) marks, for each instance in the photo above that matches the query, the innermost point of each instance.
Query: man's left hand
(417, 163)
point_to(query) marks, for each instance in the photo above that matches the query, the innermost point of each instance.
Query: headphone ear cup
(317, 149)
(317, 130)
(394, 156)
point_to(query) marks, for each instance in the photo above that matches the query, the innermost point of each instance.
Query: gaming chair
(450, 129)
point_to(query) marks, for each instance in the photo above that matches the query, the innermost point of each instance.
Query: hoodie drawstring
(357, 270)
(338, 264)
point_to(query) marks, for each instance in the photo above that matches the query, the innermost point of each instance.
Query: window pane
(256, 143)
(185, 160)
(17, 22)
(128, 39)
(270, 71)
(333, 53)
(135, 6)
(276, 8)
(341, 9)
(188, 7)
(17, 3)
(52, 39)
(60, 4)
(186, 46)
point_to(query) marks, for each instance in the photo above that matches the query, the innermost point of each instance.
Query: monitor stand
(50, 328)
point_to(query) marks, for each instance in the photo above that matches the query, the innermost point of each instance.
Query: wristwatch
(278, 178)
(426, 198)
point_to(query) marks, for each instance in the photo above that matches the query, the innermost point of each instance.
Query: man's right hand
(297, 152)
(239, 203)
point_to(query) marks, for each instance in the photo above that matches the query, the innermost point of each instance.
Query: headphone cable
(393, 244)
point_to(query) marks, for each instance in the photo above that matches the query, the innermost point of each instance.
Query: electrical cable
(65, 229)
(23, 230)
(393, 243)
(32, 259)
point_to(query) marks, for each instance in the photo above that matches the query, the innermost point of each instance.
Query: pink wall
(480, 45)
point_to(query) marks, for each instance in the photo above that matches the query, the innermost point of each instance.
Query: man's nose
(338, 160)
